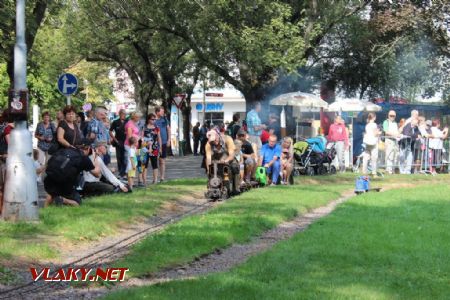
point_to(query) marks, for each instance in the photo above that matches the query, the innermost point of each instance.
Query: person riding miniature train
(220, 150)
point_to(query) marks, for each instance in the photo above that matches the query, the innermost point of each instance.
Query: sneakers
(272, 184)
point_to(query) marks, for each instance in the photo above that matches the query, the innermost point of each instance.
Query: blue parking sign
(67, 84)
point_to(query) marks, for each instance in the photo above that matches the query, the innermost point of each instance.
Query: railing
(406, 155)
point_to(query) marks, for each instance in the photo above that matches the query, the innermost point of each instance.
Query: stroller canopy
(318, 144)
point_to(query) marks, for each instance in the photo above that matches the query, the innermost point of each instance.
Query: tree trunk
(186, 112)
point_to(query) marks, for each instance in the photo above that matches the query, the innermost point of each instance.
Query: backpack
(63, 165)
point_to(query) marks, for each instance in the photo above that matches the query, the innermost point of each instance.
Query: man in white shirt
(391, 132)
(94, 186)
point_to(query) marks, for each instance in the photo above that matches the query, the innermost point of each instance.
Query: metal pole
(204, 100)
(20, 196)
(69, 98)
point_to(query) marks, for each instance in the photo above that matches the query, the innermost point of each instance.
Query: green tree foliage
(391, 49)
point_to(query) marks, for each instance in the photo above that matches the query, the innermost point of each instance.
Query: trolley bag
(261, 175)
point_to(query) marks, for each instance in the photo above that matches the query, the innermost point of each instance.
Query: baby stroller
(313, 157)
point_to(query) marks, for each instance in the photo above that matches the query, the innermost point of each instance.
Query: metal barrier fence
(405, 155)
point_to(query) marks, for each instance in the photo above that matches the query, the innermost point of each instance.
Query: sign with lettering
(210, 106)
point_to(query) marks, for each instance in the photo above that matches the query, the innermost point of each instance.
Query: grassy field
(235, 221)
(96, 218)
(391, 245)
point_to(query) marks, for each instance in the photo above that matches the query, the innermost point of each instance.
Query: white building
(219, 106)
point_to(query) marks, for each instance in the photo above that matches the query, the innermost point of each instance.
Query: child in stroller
(314, 157)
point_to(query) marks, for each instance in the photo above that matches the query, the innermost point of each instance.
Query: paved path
(176, 167)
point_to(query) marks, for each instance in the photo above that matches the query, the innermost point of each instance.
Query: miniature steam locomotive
(219, 181)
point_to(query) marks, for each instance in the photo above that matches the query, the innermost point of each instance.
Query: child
(132, 160)
(240, 159)
(37, 165)
(142, 158)
(284, 163)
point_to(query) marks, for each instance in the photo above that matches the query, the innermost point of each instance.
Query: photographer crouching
(63, 173)
(105, 184)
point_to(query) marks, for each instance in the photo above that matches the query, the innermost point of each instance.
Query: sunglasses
(391, 115)
(152, 119)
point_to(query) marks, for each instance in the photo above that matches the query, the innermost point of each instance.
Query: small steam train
(220, 183)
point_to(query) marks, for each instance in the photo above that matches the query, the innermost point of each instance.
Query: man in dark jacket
(196, 137)
(63, 174)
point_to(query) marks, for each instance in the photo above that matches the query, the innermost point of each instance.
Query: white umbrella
(299, 99)
(353, 105)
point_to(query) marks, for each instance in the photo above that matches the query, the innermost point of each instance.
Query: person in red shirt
(265, 134)
(338, 135)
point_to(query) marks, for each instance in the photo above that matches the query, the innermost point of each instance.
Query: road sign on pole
(67, 85)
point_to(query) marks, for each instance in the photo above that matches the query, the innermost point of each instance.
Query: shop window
(215, 118)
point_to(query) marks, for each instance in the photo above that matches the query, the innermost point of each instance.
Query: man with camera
(107, 182)
(63, 173)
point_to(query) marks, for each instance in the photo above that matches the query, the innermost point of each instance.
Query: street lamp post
(20, 195)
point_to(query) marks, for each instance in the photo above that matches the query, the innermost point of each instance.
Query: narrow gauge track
(41, 289)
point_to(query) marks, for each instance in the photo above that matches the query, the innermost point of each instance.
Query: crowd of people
(412, 145)
(246, 147)
(72, 156)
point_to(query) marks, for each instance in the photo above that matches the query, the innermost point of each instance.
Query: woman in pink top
(132, 128)
(338, 135)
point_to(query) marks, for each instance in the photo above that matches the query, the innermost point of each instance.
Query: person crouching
(93, 185)
(63, 174)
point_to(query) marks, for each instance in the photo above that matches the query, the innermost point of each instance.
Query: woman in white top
(371, 142)
(436, 144)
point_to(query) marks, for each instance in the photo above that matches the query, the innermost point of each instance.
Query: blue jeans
(274, 170)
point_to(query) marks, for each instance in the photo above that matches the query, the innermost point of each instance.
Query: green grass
(96, 218)
(235, 221)
(391, 245)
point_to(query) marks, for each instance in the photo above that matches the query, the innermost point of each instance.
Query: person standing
(203, 131)
(410, 135)
(196, 137)
(164, 128)
(371, 142)
(45, 133)
(96, 130)
(391, 132)
(59, 117)
(152, 140)
(254, 125)
(338, 135)
(118, 141)
(436, 144)
(234, 126)
(68, 135)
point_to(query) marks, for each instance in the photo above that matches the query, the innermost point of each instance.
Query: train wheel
(310, 171)
(333, 170)
(321, 170)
